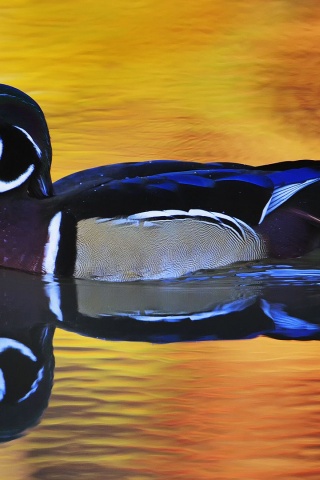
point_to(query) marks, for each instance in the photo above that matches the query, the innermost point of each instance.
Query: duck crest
(147, 220)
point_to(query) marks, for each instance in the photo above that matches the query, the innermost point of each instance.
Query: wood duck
(147, 220)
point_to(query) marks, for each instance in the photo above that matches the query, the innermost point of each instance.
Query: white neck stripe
(1, 147)
(5, 186)
(52, 246)
(34, 386)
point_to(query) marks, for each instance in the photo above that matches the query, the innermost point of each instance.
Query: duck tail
(312, 219)
(290, 232)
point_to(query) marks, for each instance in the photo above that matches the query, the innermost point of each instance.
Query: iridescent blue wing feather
(100, 175)
(244, 192)
(219, 189)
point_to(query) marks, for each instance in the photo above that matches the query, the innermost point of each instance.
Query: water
(106, 388)
(142, 380)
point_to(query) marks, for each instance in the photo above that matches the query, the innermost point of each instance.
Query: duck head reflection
(26, 354)
(281, 302)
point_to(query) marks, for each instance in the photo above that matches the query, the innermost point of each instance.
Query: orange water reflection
(222, 410)
(201, 80)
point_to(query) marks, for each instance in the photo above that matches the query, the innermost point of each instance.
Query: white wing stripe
(282, 194)
(240, 229)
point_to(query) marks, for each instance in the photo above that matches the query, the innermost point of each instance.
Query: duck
(148, 220)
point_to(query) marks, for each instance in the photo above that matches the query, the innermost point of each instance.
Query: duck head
(25, 148)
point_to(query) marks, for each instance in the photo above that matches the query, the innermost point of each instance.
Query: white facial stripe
(5, 186)
(1, 148)
(37, 149)
(42, 186)
(34, 386)
(52, 245)
(6, 343)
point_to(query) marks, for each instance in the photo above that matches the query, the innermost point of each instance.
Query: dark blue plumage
(236, 190)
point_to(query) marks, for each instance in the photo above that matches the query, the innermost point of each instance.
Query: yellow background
(199, 80)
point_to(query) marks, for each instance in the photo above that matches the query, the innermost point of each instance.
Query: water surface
(163, 392)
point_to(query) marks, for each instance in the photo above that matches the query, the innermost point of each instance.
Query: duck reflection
(26, 353)
(281, 302)
(275, 301)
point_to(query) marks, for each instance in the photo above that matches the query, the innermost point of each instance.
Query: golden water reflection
(241, 409)
(199, 80)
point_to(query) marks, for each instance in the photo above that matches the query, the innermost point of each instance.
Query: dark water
(142, 380)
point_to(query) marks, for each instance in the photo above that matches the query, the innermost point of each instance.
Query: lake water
(210, 376)
(215, 376)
